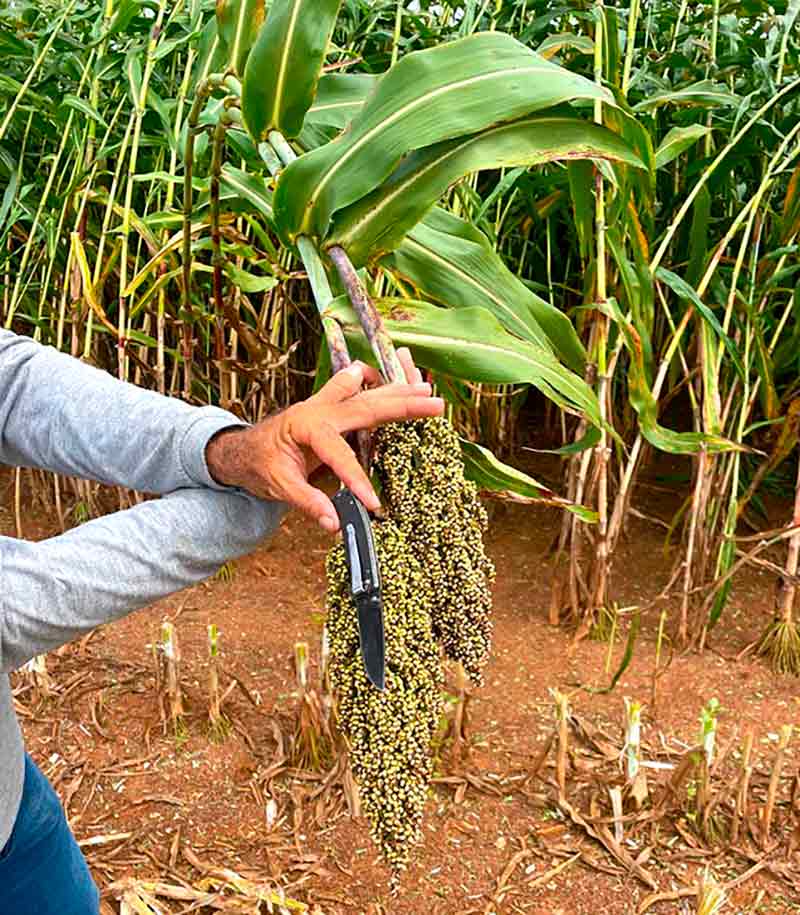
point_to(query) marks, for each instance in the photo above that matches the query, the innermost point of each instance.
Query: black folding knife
(365, 582)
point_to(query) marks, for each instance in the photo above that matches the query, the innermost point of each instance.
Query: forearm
(60, 414)
(58, 589)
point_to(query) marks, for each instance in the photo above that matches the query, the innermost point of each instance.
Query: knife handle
(358, 541)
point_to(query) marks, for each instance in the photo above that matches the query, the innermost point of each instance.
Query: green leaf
(686, 292)
(640, 142)
(698, 236)
(211, 52)
(765, 368)
(165, 48)
(158, 105)
(427, 97)
(581, 189)
(637, 295)
(249, 282)
(250, 187)
(124, 13)
(554, 44)
(340, 96)
(12, 46)
(454, 263)
(238, 23)
(281, 76)
(470, 343)
(643, 402)
(727, 556)
(8, 198)
(490, 473)
(79, 104)
(790, 224)
(377, 223)
(589, 440)
(314, 135)
(627, 655)
(503, 187)
(677, 141)
(791, 14)
(700, 94)
(611, 51)
(133, 69)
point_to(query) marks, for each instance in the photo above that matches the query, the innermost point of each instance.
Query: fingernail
(355, 368)
(423, 387)
(331, 525)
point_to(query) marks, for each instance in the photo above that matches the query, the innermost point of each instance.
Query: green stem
(630, 45)
(601, 354)
(217, 258)
(277, 153)
(321, 290)
(283, 150)
(183, 92)
(398, 24)
(368, 316)
(33, 232)
(188, 317)
(141, 102)
(109, 212)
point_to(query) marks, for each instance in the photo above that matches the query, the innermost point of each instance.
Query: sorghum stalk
(218, 725)
(368, 316)
(277, 153)
(217, 257)
(633, 737)
(141, 107)
(171, 655)
(781, 641)
(599, 590)
(708, 729)
(201, 96)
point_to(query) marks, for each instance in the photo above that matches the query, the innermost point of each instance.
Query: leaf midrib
(243, 9)
(245, 191)
(413, 177)
(538, 368)
(331, 105)
(284, 61)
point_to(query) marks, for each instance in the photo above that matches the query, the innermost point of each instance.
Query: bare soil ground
(150, 805)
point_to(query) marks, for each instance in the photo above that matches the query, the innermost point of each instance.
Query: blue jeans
(42, 870)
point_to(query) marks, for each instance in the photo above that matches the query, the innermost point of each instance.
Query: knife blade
(365, 582)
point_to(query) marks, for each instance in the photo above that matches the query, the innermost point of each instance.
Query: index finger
(383, 405)
(334, 451)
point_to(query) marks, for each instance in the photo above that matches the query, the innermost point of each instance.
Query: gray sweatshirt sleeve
(55, 590)
(63, 415)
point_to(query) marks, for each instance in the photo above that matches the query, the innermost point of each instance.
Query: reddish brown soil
(101, 740)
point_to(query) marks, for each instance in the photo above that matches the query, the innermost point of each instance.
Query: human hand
(273, 459)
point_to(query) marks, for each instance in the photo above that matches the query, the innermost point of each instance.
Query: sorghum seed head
(436, 580)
